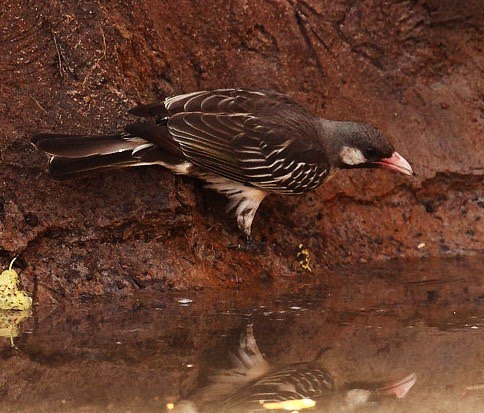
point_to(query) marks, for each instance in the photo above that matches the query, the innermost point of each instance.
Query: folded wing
(249, 137)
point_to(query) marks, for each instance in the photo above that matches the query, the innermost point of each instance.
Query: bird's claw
(249, 246)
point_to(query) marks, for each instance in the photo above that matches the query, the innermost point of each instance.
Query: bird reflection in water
(252, 385)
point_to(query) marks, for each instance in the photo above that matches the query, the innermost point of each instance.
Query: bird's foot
(250, 245)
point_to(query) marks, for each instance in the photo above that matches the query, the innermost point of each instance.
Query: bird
(245, 144)
(253, 385)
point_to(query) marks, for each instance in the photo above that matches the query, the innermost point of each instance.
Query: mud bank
(411, 68)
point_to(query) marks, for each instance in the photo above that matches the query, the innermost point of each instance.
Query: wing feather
(229, 146)
(258, 138)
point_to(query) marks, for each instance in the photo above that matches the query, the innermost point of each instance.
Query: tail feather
(74, 154)
(78, 146)
(61, 167)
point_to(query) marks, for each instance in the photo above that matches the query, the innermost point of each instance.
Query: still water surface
(397, 337)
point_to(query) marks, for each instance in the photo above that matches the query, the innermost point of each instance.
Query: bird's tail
(74, 154)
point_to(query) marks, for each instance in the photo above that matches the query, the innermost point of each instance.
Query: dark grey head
(360, 145)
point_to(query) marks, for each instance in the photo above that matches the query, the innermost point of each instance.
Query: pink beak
(399, 388)
(396, 162)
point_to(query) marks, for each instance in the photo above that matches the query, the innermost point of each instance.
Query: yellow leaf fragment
(9, 323)
(11, 296)
(302, 257)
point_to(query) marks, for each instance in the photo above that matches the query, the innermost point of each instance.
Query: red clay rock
(410, 68)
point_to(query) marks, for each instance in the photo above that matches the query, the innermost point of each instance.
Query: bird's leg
(252, 245)
(248, 245)
(245, 213)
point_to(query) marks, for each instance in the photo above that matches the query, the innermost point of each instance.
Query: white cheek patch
(351, 156)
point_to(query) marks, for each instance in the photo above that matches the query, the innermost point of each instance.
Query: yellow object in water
(290, 405)
(11, 296)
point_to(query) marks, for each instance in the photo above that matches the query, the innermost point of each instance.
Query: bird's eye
(370, 153)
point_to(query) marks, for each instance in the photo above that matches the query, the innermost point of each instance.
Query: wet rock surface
(410, 68)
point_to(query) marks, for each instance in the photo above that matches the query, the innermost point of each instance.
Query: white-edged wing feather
(244, 148)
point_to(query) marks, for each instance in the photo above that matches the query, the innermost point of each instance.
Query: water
(368, 325)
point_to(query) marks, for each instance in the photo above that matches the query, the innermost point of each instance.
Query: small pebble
(185, 301)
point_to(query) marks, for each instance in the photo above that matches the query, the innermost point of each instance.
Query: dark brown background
(412, 68)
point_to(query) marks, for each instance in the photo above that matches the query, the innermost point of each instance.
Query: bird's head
(360, 145)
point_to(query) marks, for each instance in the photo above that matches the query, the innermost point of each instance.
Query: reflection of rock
(253, 385)
(11, 296)
(9, 323)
